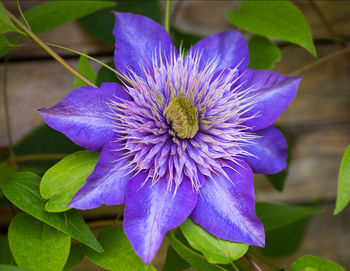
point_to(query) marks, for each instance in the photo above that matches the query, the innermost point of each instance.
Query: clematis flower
(181, 138)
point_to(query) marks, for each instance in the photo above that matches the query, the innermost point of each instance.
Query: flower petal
(226, 208)
(270, 150)
(273, 93)
(229, 48)
(137, 40)
(83, 115)
(107, 183)
(151, 211)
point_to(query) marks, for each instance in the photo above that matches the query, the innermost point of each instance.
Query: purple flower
(182, 138)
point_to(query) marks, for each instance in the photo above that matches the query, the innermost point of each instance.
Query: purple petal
(273, 91)
(82, 115)
(229, 48)
(137, 39)
(107, 183)
(270, 150)
(151, 211)
(226, 208)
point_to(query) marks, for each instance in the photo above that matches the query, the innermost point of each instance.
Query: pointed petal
(83, 115)
(273, 91)
(226, 208)
(270, 150)
(107, 183)
(229, 48)
(151, 211)
(137, 39)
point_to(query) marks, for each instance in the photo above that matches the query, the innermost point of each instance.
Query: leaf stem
(7, 115)
(35, 157)
(253, 263)
(167, 16)
(22, 15)
(93, 59)
(36, 39)
(256, 255)
(318, 62)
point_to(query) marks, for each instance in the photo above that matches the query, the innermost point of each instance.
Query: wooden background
(318, 120)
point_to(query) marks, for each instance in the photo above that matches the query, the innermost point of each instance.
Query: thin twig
(175, 12)
(318, 62)
(7, 114)
(253, 263)
(22, 15)
(256, 255)
(36, 39)
(36, 157)
(93, 59)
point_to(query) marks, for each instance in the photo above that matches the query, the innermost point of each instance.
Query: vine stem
(318, 62)
(167, 16)
(253, 263)
(91, 58)
(7, 115)
(36, 39)
(36, 157)
(254, 254)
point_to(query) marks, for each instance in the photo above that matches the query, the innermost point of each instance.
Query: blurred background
(317, 123)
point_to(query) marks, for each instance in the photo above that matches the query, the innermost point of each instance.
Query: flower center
(183, 116)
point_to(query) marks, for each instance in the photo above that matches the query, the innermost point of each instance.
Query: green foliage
(106, 75)
(101, 23)
(118, 253)
(262, 53)
(274, 215)
(5, 267)
(174, 262)
(6, 24)
(313, 263)
(277, 19)
(37, 246)
(285, 240)
(5, 253)
(214, 249)
(343, 183)
(7, 43)
(22, 189)
(197, 261)
(74, 258)
(85, 69)
(62, 181)
(51, 14)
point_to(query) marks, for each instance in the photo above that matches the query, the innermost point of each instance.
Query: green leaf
(5, 172)
(101, 23)
(22, 189)
(279, 242)
(313, 263)
(343, 183)
(85, 69)
(61, 182)
(214, 249)
(275, 215)
(44, 140)
(197, 261)
(6, 25)
(5, 253)
(118, 253)
(106, 75)
(7, 42)
(262, 53)
(277, 19)
(75, 257)
(5, 267)
(37, 246)
(174, 262)
(51, 14)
